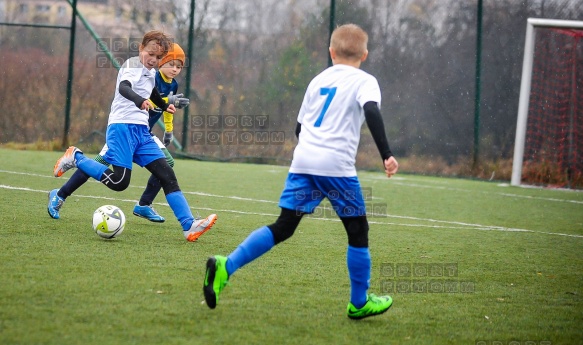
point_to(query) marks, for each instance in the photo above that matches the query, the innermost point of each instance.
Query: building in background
(108, 16)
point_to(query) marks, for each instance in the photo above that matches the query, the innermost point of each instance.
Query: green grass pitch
(466, 262)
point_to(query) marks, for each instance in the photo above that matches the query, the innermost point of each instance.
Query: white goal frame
(525, 87)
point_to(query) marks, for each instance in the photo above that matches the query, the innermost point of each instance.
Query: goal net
(549, 132)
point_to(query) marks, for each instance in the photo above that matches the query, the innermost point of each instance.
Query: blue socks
(261, 241)
(90, 166)
(181, 210)
(256, 244)
(359, 264)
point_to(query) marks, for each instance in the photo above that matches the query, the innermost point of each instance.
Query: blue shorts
(127, 143)
(304, 192)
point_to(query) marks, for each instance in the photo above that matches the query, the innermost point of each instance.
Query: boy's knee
(120, 186)
(285, 225)
(169, 185)
(162, 170)
(118, 179)
(357, 231)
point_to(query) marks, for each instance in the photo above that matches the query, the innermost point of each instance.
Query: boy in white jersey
(335, 105)
(166, 84)
(128, 137)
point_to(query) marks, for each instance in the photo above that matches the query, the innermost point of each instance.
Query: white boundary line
(449, 224)
(417, 185)
(394, 181)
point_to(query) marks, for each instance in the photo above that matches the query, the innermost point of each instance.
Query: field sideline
(466, 262)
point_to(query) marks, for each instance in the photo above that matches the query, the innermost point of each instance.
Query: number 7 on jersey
(329, 92)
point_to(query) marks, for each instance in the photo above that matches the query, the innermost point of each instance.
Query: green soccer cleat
(375, 305)
(215, 279)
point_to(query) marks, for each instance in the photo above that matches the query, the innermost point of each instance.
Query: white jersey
(143, 82)
(331, 116)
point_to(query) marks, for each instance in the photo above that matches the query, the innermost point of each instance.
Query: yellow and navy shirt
(164, 88)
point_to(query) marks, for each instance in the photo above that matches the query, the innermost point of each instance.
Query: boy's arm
(375, 124)
(374, 121)
(156, 98)
(168, 128)
(125, 89)
(168, 119)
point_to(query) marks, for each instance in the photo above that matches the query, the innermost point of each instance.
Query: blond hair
(349, 41)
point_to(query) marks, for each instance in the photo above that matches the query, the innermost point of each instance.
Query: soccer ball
(108, 221)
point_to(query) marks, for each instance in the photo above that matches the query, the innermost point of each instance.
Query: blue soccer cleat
(55, 203)
(148, 212)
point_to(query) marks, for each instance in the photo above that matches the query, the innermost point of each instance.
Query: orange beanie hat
(174, 53)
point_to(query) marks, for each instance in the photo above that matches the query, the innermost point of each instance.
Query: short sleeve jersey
(331, 116)
(143, 81)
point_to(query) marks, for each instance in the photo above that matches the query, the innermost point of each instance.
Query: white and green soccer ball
(108, 221)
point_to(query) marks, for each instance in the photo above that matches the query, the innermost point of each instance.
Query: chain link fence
(253, 60)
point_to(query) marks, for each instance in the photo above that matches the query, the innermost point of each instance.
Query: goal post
(556, 91)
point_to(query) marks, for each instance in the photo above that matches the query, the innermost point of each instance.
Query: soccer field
(466, 262)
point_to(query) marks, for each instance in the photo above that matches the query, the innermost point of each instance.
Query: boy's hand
(167, 138)
(391, 166)
(178, 100)
(171, 109)
(147, 105)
